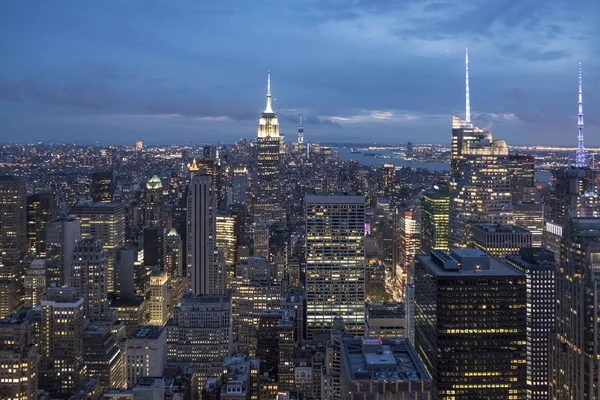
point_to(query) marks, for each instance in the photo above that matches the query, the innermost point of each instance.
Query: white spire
(467, 96)
(581, 154)
(269, 107)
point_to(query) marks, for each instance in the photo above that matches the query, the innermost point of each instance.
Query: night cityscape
(153, 246)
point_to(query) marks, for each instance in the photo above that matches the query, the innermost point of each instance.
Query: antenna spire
(467, 96)
(269, 107)
(581, 154)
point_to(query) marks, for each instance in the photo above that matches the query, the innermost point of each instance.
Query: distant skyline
(358, 71)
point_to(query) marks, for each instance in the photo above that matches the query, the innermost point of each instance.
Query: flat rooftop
(493, 266)
(499, 228)
(147, 332)
(382, 360)
(386, 310)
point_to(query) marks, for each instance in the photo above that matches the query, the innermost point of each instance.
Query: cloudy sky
(175, 71)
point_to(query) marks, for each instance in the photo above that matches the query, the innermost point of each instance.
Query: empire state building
(267, 206)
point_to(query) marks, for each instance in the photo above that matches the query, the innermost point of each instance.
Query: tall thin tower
(467, 95)
(581, 156)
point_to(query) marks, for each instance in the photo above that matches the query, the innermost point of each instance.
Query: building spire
(581, 154)
(467, 95)
(300, 131)
(269, 107)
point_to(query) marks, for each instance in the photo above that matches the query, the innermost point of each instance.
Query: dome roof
(154, 183)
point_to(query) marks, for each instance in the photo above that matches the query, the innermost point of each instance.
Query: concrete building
(90, 270)
(34, 283)
(385, 320)
(500, 240)
(103, 358)
(387, 369)
(435, 216)
(61, 235)
(146, 353)
(470, 309)
(159, 301)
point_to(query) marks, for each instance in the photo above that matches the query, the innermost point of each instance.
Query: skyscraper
(103, 358)
(105, 222)
(61, 341)
(206, 275)
(530, 215)
(153, 203)
(13, 243)
(408, 232)
(200, 333)
(267, 206)
(239, 185)
(479, 171)
(435, 209)
(90, 278)
(34, 283)
(335, 263)
(500, 240)
(102, 187)
(522, 180)
(538, 265)
(19, 358)
(61, 235)
(41, 208)
(158, 303)
(470, 321)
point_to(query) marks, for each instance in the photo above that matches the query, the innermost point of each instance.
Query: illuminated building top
(268, 125)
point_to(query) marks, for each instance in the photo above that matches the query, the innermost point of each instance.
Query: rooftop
(382, 360)
(499, 228)
(147, 332)
(386, 310)
(465, 262)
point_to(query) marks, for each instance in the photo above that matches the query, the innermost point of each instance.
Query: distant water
(346, 154)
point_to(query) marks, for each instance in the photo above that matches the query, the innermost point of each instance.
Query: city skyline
(191, 72)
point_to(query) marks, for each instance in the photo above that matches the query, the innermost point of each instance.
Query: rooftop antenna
(467, 96)
(580, 155)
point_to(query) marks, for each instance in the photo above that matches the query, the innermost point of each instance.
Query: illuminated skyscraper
(530, 216)
(61, 341)
(389, 180)
(41, 208)
(105, 222)
(435, 209)
(13, 243)
(103, 358)
(300, 133)
(261, 240)
(61, 235)
(206, 275)
(470, 322)
(239, 185)
(267, 206)
(34, 283)
(19, 358)
(335, 263)
(102, 187)
(158, 303)
(408, 232)
(538, 265)
(500, 240)
(90, 278)
(226, 236)
(480, 181)
(153, 203)
(522, 180)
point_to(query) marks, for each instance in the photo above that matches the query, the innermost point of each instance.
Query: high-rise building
(530, 216)
(61, 344)
(173, 255)
(146, 353)
(102, 187)
(158, 303)
(248, 300)
(574, 365)
(227, 237)
(13, 243)
(89, 278)
(300, 132)
(286, 346)
(267, 206)
(19, 358)
(61, 235)
(481, 185)
(408, 233)
(382, 369)
(435, 209)
(522, 180)
(335, 263)
(500, 240)
(200, 334)
(386, 320)
(239, 185)
(206, 275)
(154, 246)
(575, 193)
(538, 265)
(388, 180)
(34, 283)
(267, 345)
(41, 208)
(261, 240)
(103, 358)
(470, 321)
(105, 222)
(154, 203)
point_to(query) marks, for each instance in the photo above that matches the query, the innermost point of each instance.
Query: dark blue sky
(174, 71)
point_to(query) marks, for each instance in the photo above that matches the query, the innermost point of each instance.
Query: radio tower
(467, 97)
(580, 156)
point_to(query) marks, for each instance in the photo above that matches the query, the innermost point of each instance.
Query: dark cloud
(307, 119)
